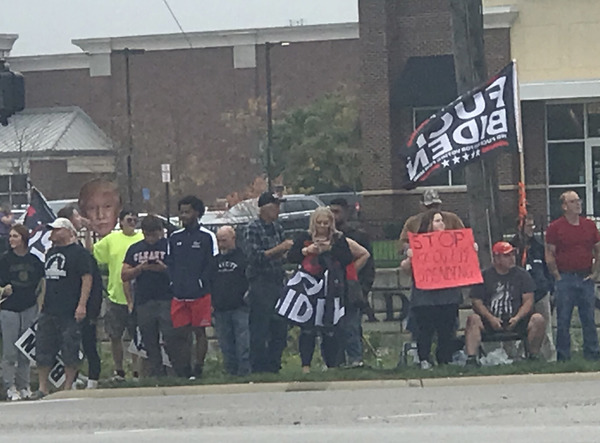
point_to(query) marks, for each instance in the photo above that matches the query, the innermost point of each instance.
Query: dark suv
(294, 213)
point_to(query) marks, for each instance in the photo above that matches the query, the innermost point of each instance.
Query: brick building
(184, 92)
(183, 96)
(407, 71)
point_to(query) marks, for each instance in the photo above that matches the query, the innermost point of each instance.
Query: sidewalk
(327, 386)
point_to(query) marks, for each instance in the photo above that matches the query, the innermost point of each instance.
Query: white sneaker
(12, 394)
(92, 384)
(25, 393)
(425, 365)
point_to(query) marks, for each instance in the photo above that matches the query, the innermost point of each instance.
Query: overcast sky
(48, 26)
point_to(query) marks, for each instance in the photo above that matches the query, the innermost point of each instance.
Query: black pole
(167, 206)
(130, 148)
(129, 130)
(269, 114)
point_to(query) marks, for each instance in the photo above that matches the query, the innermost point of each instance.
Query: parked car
(354, 200)
(294, 213)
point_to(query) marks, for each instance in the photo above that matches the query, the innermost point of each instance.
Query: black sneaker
(472, 362)
(118, 375)
(37, 395)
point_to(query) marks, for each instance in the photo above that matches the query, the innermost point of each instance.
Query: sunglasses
(131, 220)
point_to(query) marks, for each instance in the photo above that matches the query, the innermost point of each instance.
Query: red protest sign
(444, 259)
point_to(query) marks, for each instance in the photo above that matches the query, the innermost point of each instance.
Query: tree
(315, 148)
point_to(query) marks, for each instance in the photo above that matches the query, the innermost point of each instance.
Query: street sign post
(165, 170)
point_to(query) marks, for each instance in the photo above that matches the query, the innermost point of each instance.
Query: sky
(48, 26)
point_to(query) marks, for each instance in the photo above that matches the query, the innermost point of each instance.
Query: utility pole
(481, 177)
(130, 150)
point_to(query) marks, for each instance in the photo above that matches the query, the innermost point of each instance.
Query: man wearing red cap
(503, 303)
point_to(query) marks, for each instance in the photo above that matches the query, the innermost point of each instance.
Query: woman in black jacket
(319, 249)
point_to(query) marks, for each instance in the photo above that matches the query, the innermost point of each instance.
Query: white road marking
(387, 417)
(38, 402)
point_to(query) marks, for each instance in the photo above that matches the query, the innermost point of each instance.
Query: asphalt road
(531, 412)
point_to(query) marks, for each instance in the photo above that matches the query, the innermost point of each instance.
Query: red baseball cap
(502, 248)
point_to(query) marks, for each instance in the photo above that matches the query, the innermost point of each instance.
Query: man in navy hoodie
(191, 263)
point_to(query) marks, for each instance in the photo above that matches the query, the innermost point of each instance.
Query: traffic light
(12, 93)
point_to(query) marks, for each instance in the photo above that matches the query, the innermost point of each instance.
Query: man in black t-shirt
(503, 303)
(144, 263)
(231, 312)
(68, 284)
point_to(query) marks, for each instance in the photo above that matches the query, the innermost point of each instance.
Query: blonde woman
(322, 248)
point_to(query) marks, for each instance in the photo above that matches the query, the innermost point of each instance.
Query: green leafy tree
(316, 148)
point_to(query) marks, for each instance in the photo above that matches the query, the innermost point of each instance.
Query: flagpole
(521, 188)
(519, 124)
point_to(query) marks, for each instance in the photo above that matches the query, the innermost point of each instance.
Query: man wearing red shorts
(191, 262)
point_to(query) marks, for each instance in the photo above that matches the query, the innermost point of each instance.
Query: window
(452, 178)
(309, 205)
(566, 163)
(291, 206)
(593, 115)
(570, 132)
(565, 122)
(13, 189)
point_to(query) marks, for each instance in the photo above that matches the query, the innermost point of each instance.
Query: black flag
(475, 124)
(37, 216)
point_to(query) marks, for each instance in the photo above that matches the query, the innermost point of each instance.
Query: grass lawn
(382, 366)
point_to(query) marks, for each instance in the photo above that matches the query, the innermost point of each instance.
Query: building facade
(407, 73)
(196, 103)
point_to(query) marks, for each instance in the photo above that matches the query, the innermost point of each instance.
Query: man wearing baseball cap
(503, 303)
(68, 271)
(430, 200)
(265, 246)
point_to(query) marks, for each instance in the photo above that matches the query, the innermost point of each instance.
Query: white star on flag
(456, 160)
(445, 163)
(466, 156)
(473, 155)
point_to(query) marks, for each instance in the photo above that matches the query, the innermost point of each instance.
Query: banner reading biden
(308, 300)
(475, 124)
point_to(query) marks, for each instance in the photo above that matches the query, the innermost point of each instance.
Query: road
(525, 412)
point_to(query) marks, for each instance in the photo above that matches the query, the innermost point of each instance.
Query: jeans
(233, 332)
(572, 290)
(154, 318)
(351, 332)
(268, 331)
(15, 365)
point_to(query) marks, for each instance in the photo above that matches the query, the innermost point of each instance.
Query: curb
(248, 388)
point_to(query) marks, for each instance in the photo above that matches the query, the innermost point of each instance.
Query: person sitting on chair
(503, 304)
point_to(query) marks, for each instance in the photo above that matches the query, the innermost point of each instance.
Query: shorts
(117, 319)
(56, 334)
(520, 329)
(191, 312)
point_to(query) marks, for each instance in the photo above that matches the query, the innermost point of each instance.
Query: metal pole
(167, 205)
(130, 148)
(269, 114)
(129, 130)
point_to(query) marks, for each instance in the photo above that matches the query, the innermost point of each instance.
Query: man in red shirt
(573, 257)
